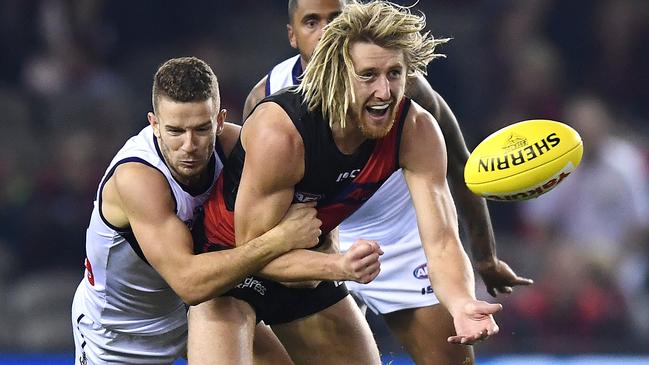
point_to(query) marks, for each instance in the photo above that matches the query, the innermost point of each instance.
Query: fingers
(367, 268)
(471, 340)
(305, 205)
(362, 248)
(369, 273)
(493, 290)
(501, 289)
(485, 308)
(523, 281)
(362, 261)
(479, 309)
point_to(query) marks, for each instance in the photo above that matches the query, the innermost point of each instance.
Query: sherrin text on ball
(523, 160)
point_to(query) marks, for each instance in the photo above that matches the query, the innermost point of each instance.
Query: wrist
(485, 263)
(457, 307)
(276, 239)
(334, 267)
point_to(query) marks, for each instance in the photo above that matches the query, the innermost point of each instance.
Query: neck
(348, 139)
(193, 182)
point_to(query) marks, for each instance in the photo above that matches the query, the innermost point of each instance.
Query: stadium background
(75, 80)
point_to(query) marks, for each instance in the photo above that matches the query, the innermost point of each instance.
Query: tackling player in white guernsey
(401, 293)
(140, 266)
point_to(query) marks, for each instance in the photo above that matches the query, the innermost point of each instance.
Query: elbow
(191, 295)
(192, 292)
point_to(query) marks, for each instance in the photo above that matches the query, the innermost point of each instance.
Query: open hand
(475, 322)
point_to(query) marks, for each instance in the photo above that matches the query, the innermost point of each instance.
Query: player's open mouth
(379, 110)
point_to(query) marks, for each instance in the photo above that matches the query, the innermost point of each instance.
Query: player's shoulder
(260, 87)
(420, 126)
(256, 94)
(271, 140)
(270, 125)
(420, 90)
(228, 139)
(270, 118)
(418, 115)
(135, 174)
(136, 187)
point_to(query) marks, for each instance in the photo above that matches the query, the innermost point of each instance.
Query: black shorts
(275, 303)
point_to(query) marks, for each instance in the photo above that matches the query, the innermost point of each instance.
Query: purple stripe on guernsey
(268, 83)
(296, 72)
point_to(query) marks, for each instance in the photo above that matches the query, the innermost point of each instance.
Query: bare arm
(274, 164)
(142, 196)
(496, 274)
(423, 158)
(257, 93)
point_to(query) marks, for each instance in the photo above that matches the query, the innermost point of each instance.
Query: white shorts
(402, 283)
(389, 218)
(95, 344)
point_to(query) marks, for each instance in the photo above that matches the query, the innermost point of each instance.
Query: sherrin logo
(515, 142)
(523, 160)
(520, 156)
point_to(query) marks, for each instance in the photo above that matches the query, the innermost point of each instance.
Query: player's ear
(220, 121)
(153, 120)
(291, 36)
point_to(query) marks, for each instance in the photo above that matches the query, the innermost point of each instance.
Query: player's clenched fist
(300, 228)
(361, 262)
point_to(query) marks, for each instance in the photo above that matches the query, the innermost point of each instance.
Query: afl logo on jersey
(302, 197)
(421, 272)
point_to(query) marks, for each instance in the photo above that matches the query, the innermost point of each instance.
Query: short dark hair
(185, 79)
(292, 5)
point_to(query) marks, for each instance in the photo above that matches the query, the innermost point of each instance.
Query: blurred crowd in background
(75, 78)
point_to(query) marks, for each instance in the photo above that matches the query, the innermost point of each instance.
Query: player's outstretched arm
(140, 195)
(496, 274)
(274, 164)
(423, 158)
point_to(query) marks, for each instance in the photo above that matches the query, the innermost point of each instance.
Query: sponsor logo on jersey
(253, 284)
(302, 197)
(421, 272)
(347, 175)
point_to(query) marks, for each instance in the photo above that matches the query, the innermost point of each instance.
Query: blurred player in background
(401, 293)
(140, 266)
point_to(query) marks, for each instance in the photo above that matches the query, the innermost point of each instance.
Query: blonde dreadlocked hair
(327, 79)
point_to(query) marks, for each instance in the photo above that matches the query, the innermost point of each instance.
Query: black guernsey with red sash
(339, 183)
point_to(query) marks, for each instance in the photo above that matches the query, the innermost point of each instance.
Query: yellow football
(523, 160)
